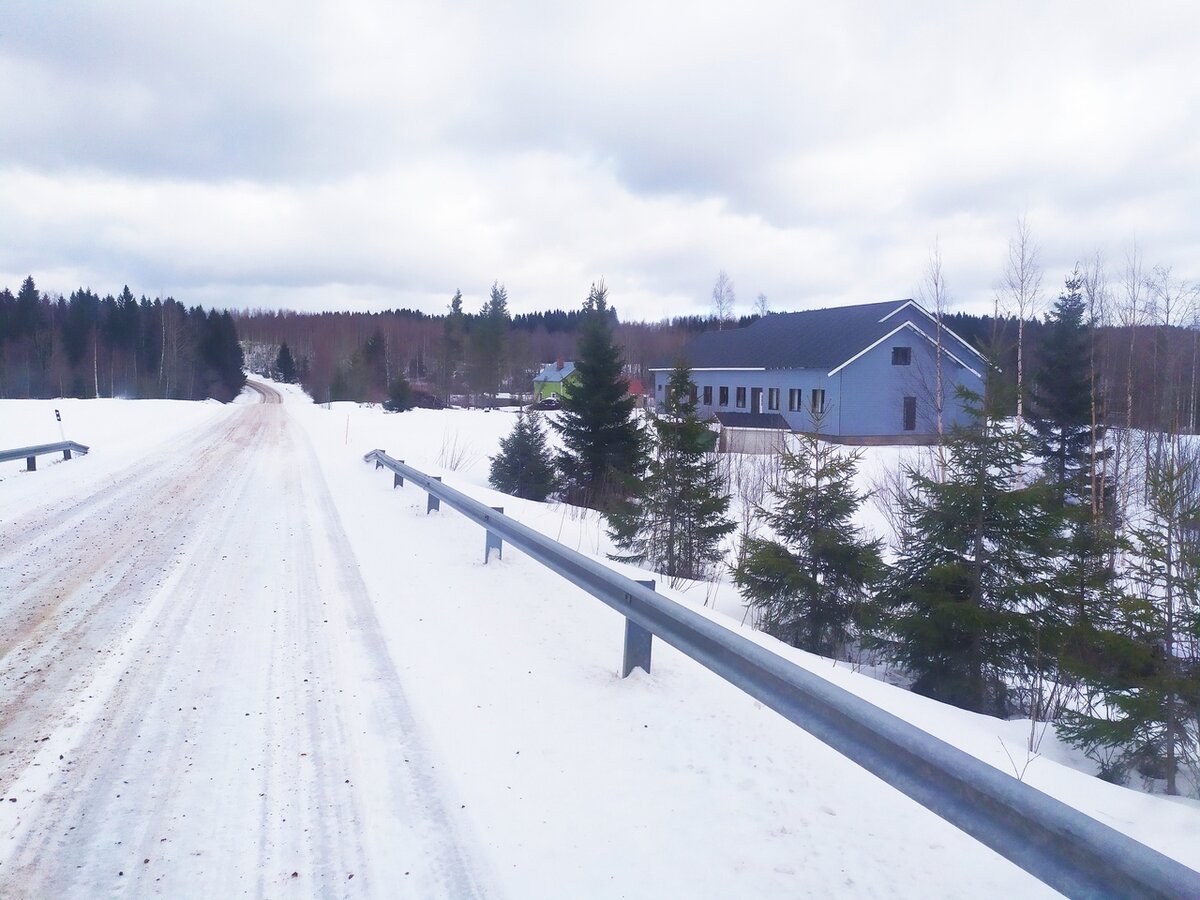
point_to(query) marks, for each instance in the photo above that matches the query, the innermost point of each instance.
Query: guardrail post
(492, 541)
(67, 453)
(398, 479)
(433, 502)
(637, 644)
(31, 463)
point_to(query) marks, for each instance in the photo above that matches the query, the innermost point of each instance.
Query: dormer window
(902, 356)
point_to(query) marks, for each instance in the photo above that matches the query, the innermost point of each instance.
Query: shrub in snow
(524, 467)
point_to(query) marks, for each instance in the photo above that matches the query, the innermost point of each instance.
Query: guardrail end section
(637, 644)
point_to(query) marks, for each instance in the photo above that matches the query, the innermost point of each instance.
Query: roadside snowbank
(675, 783)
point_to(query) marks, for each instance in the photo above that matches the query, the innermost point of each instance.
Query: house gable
(910, 327)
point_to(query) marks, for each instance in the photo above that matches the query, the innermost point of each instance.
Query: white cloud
(376, 154)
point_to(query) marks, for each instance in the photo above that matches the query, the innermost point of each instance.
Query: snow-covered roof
(552, 374)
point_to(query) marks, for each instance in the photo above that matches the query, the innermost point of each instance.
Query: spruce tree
(489, 341)
(400, 397)
(959, 608)
(1062, 398)
(676, 517)
(285, 366)
(603, 447)
(524, 466)
(810, 581)
(453, 327)
(1074, 650)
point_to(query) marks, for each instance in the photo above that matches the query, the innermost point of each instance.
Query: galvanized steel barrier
(1056, 843)
(31, 454)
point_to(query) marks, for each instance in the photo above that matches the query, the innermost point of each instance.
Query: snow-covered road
(195, 696)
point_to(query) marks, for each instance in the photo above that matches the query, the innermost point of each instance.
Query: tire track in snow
(243, 720)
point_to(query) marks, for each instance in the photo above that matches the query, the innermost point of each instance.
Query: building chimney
(558, 364)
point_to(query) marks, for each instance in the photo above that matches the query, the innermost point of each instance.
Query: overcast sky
(367, 155)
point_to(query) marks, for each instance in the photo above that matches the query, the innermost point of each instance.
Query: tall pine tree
(809, 582)
(489, 341)
(1072, 650)
(453, 329)
(1062, 396)
(676, 517)
(603, 446)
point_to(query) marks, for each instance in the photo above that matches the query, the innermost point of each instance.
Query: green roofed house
(555, 380)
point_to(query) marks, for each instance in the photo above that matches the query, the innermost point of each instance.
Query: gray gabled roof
(812, 339)
(551, 374)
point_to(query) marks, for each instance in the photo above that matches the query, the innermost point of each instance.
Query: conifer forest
(86, 345)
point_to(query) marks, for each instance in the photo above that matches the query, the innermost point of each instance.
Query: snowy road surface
(195, 697)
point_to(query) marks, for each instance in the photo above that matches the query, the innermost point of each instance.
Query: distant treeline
(356, 355)
(1146, 373)
(87, 346)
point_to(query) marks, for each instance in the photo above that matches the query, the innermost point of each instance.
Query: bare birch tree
(1098, 299)
(1022, 288)
(934, 296)
(1130, 312)
(723, 299)
(760, 306)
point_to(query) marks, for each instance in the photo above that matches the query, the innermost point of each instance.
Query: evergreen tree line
(87, 346)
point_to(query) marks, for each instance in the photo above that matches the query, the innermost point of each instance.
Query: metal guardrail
(1056, 843)
(32, 453)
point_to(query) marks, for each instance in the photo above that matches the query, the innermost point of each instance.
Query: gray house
(858, 374)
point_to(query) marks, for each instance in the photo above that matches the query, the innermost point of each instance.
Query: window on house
(724, 395)
(741, 398)
(902, 356)
(793, 399)
(910, 413)
(692, 392)
(773, 398)
(818, 400)
(708, 395)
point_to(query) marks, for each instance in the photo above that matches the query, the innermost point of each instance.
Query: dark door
(910, 413)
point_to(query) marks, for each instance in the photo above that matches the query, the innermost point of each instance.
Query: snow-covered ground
(230, 648)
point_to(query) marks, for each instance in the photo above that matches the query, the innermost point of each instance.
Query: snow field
(732, 798)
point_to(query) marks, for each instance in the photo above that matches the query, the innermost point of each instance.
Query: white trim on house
(894, 331)
(932, 318)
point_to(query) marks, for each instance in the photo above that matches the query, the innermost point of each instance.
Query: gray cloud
(375, 154)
